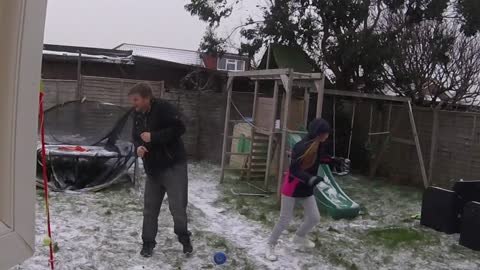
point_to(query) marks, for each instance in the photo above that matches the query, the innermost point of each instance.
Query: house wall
(21, 29)
(210, 62)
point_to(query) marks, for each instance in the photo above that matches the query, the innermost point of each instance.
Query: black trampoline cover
(88, 145)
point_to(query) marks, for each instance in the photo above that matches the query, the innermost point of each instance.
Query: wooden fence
(112, 90)
(449, 140)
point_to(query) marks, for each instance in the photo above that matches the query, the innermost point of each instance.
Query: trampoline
(88, 146)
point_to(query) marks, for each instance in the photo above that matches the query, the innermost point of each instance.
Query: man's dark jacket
(166, 148)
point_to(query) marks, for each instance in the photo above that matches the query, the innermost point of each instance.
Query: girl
(298, 187)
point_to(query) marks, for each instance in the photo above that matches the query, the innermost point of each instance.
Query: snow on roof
(185, 57)
(94, 57)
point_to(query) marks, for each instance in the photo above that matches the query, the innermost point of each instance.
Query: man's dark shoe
(187, 244)
(147, 250)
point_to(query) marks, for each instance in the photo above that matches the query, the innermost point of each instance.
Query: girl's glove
(314, 181)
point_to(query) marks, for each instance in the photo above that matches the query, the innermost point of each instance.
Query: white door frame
(21, 30)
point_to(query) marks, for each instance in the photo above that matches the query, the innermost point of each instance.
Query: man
(157, 135)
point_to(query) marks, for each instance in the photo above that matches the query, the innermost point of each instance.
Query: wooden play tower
(275, 116)
(271, 122)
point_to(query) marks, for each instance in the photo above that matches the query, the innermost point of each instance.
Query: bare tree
(433, 62)
(414, 56)
(460, 77)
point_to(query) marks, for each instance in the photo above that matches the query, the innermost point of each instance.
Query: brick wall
(187, 104)
(212, 115)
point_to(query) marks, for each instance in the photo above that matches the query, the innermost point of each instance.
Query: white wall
(21, 31)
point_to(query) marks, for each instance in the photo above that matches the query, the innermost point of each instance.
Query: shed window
(231, 64)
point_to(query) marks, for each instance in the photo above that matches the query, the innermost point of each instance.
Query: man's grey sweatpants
(310, 219)
(174, 182)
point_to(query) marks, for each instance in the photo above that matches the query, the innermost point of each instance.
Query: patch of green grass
(56, 248)
(217, 242)
(393, 237)
(236, 257)
(260, 209)
(340, 260)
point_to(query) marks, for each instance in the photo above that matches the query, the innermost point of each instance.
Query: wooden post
(287, 84)
(252, 133)
(255, 96)
(433, 144)
(389, 116)
(306, 109)
(225, 129)
(268, 55)
(417, 144)
(383, 148)
(272, 132)
(78, 94)
(351, 129)
(162, 89)
(57, 94)
(320, 87)
(472, 141)
(370, 123)
(334, 126)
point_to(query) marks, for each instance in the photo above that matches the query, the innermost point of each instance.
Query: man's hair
(142, 89)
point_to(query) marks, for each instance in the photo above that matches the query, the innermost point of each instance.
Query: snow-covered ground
(102, 231)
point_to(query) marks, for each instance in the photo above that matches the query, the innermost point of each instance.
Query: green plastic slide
(330, 197)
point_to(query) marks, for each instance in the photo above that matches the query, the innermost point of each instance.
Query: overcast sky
(108, 23)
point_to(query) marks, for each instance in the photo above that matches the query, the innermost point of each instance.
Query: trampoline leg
(135, 167)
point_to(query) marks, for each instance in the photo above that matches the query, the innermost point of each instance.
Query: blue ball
(219, 258)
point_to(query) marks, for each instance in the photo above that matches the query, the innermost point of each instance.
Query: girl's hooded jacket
(296, 183)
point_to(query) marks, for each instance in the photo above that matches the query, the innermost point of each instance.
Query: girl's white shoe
(270, 253)
(303, 242)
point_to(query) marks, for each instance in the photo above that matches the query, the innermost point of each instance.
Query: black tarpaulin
(88, 145)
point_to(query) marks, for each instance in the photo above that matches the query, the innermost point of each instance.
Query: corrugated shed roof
(185, 57)
(52, 51)
(128, 60)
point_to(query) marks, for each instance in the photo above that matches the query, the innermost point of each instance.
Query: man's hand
(146, 137)
(141, 151)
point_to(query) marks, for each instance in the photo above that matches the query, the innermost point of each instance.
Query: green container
(243, 144)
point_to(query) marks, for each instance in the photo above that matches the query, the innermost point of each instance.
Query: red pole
(45, 180)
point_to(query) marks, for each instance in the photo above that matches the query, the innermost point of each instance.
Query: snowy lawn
(102, 231)
(385, 236)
